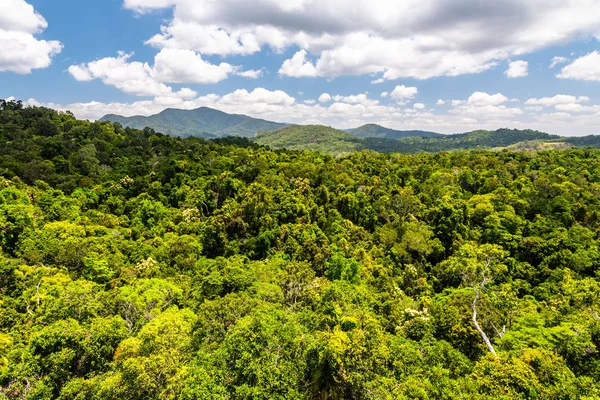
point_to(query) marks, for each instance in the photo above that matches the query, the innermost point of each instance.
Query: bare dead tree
(478, 290)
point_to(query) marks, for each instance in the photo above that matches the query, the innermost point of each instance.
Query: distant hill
(479, 139)
(584, 141)
(378, 131)
(325, 139)
(310, 137)
(333, 141)
(210, 124)
(202, 122)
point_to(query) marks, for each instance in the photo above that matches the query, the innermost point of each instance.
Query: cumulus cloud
(485, 99)
(402, 92)
(517, 69)
(576, 107)
(187, 66)
(20, 50)
(252, 73)
(142, 79)
(324, 98)
(211, 39)
(559, 99)
(298, 66)
(440, 102)
(258, 96)
(419, 106)
(131, 77)
(481, 105)
(394, 39)
(586, 68)
(564, 103)
(355, 99)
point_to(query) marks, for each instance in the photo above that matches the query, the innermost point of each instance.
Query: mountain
(374, 130)
(202, 122)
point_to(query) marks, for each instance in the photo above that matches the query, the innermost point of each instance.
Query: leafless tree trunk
(477, 294)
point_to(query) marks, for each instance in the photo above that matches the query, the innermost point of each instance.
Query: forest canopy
(135, 265)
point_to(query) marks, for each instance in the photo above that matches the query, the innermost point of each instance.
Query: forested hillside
(374, 130)
(310, 137)
(202, 122)
(335, 142)
(134, 265)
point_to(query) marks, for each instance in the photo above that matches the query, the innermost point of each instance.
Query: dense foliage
(134, 265)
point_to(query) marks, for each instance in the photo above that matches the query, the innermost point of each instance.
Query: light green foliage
(134, 265)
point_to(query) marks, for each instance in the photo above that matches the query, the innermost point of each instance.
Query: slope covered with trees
(202, 122)
(374, 130)
(329, 140)
(309, 137)
(134, 265)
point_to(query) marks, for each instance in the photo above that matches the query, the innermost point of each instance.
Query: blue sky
(379, 61)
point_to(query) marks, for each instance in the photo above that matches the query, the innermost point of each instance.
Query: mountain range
(208, 123)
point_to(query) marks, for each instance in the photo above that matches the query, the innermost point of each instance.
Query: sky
(438, 65)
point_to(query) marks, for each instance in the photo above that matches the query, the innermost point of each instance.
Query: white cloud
(440, 102)
(485, 99)
(355, 99)
(559, 99)
(395, 39)
(20, 16)
(482, 106)
(187, 66)
(324, 98)
(20, 51)
(576, 107)
(258, 96)
(402, 92)
(141, 79)
(565, 103)
(517, 69)
(310, 102)
(486, 111)
(558, 60)
(211, 39)
(147, 5)
(130, 77)
(586, 68)
(419, 106)
(252, 73)
(298, 66)
(385, 94)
